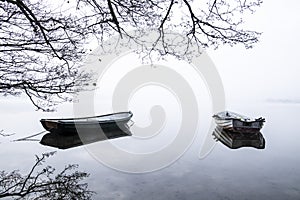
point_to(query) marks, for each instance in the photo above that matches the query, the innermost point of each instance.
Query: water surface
(246, 173)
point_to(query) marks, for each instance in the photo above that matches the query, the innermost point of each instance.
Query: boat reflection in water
(73, 140)
(235, 140)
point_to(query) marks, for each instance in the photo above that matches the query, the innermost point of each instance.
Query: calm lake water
(246, 173)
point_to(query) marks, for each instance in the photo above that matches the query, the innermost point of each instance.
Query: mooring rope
(28, 138)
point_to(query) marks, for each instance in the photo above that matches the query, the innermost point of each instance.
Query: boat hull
(238, 123)
(103, 123)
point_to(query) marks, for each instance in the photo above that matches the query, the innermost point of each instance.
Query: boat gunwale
(59, 120)
(237, 117)
(94, 122)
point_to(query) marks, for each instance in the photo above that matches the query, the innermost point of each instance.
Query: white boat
(239, 123)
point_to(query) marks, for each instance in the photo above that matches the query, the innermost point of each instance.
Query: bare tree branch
(114, 18)
(167, 14)
(42, 45)
(45, 183)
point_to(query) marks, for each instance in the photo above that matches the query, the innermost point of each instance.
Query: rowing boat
(106, 123)
(238, 123)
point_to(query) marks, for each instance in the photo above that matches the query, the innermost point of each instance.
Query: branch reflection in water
(43, 182)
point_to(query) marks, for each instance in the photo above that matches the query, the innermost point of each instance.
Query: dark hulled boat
(106, 123)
